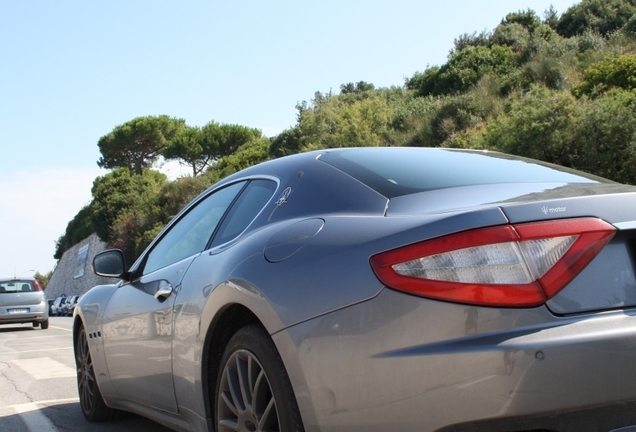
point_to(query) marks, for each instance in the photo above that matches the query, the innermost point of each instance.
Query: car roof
(397, 171)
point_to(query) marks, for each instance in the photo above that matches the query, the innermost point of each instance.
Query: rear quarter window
(244, 211)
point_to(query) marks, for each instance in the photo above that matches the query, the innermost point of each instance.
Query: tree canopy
(138, 143)
(600, 16)
(199, 148)
(188, 147)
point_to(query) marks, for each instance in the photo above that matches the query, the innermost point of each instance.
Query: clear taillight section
(501, 263)
(509, 265)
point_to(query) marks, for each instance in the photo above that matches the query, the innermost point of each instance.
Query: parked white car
(58, 306)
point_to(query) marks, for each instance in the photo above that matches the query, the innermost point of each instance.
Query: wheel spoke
(229, 403)
(90, 375)
(252, 367)
(229, 424)
(242, 372)
(261, 388)
(234, 389)
(269, 419)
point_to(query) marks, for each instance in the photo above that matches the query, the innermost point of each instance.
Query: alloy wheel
(85, 374)
(246, 402)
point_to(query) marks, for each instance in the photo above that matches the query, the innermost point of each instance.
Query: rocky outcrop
(73, 274)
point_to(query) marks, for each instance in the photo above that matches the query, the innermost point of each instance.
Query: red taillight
(508, 265)
(37, 285)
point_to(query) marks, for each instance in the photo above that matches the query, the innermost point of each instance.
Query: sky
(71, 71)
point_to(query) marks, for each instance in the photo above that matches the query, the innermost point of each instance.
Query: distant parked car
(69, 305)
(22, 301)
(58, 306)
(62, 309)
(50, 303)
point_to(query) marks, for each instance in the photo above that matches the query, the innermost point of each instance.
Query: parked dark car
(23, 301)
(375, 289)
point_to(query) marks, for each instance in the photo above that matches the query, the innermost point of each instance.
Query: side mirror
(110, 263)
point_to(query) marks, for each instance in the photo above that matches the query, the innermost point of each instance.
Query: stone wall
(73, 274)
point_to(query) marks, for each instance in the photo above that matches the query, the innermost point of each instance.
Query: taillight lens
(37, 285)
(510, 265)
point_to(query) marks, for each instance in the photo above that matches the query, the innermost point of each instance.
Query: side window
(247, 207)
(192, 232)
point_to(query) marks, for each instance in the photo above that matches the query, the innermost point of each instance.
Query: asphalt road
(38, 389)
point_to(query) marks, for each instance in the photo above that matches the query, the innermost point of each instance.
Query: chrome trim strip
(626, 225)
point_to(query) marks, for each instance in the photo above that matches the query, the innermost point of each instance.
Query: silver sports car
(375, 289)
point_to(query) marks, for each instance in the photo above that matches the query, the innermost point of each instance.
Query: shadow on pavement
(68, 417)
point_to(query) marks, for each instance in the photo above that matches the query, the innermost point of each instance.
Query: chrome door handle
(165, 290)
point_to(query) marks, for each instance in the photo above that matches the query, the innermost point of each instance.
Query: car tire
(43, 324)
(91, 401)
(35, 323)
(264, 402)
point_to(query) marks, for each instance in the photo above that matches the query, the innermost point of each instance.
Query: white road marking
(45, 368)
(33, 418)
(47, 402)
(40, 350)
(28, 340)
(61, 328)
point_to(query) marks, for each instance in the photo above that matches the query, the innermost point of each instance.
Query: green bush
(537, 124)
(614, 71)
(605, 131)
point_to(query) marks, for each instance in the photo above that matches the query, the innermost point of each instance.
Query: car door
(138, 319)
(205, 272)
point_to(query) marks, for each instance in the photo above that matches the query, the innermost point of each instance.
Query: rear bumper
(611, 418)
(24, 319)
(399, 362)
(37, 313)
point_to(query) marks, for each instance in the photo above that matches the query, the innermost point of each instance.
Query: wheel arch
(230, 320)
(77, 323)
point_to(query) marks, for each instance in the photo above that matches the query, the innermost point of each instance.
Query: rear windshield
(16, 286)
(400, 171)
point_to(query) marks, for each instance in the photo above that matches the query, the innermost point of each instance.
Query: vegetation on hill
(560, 88)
